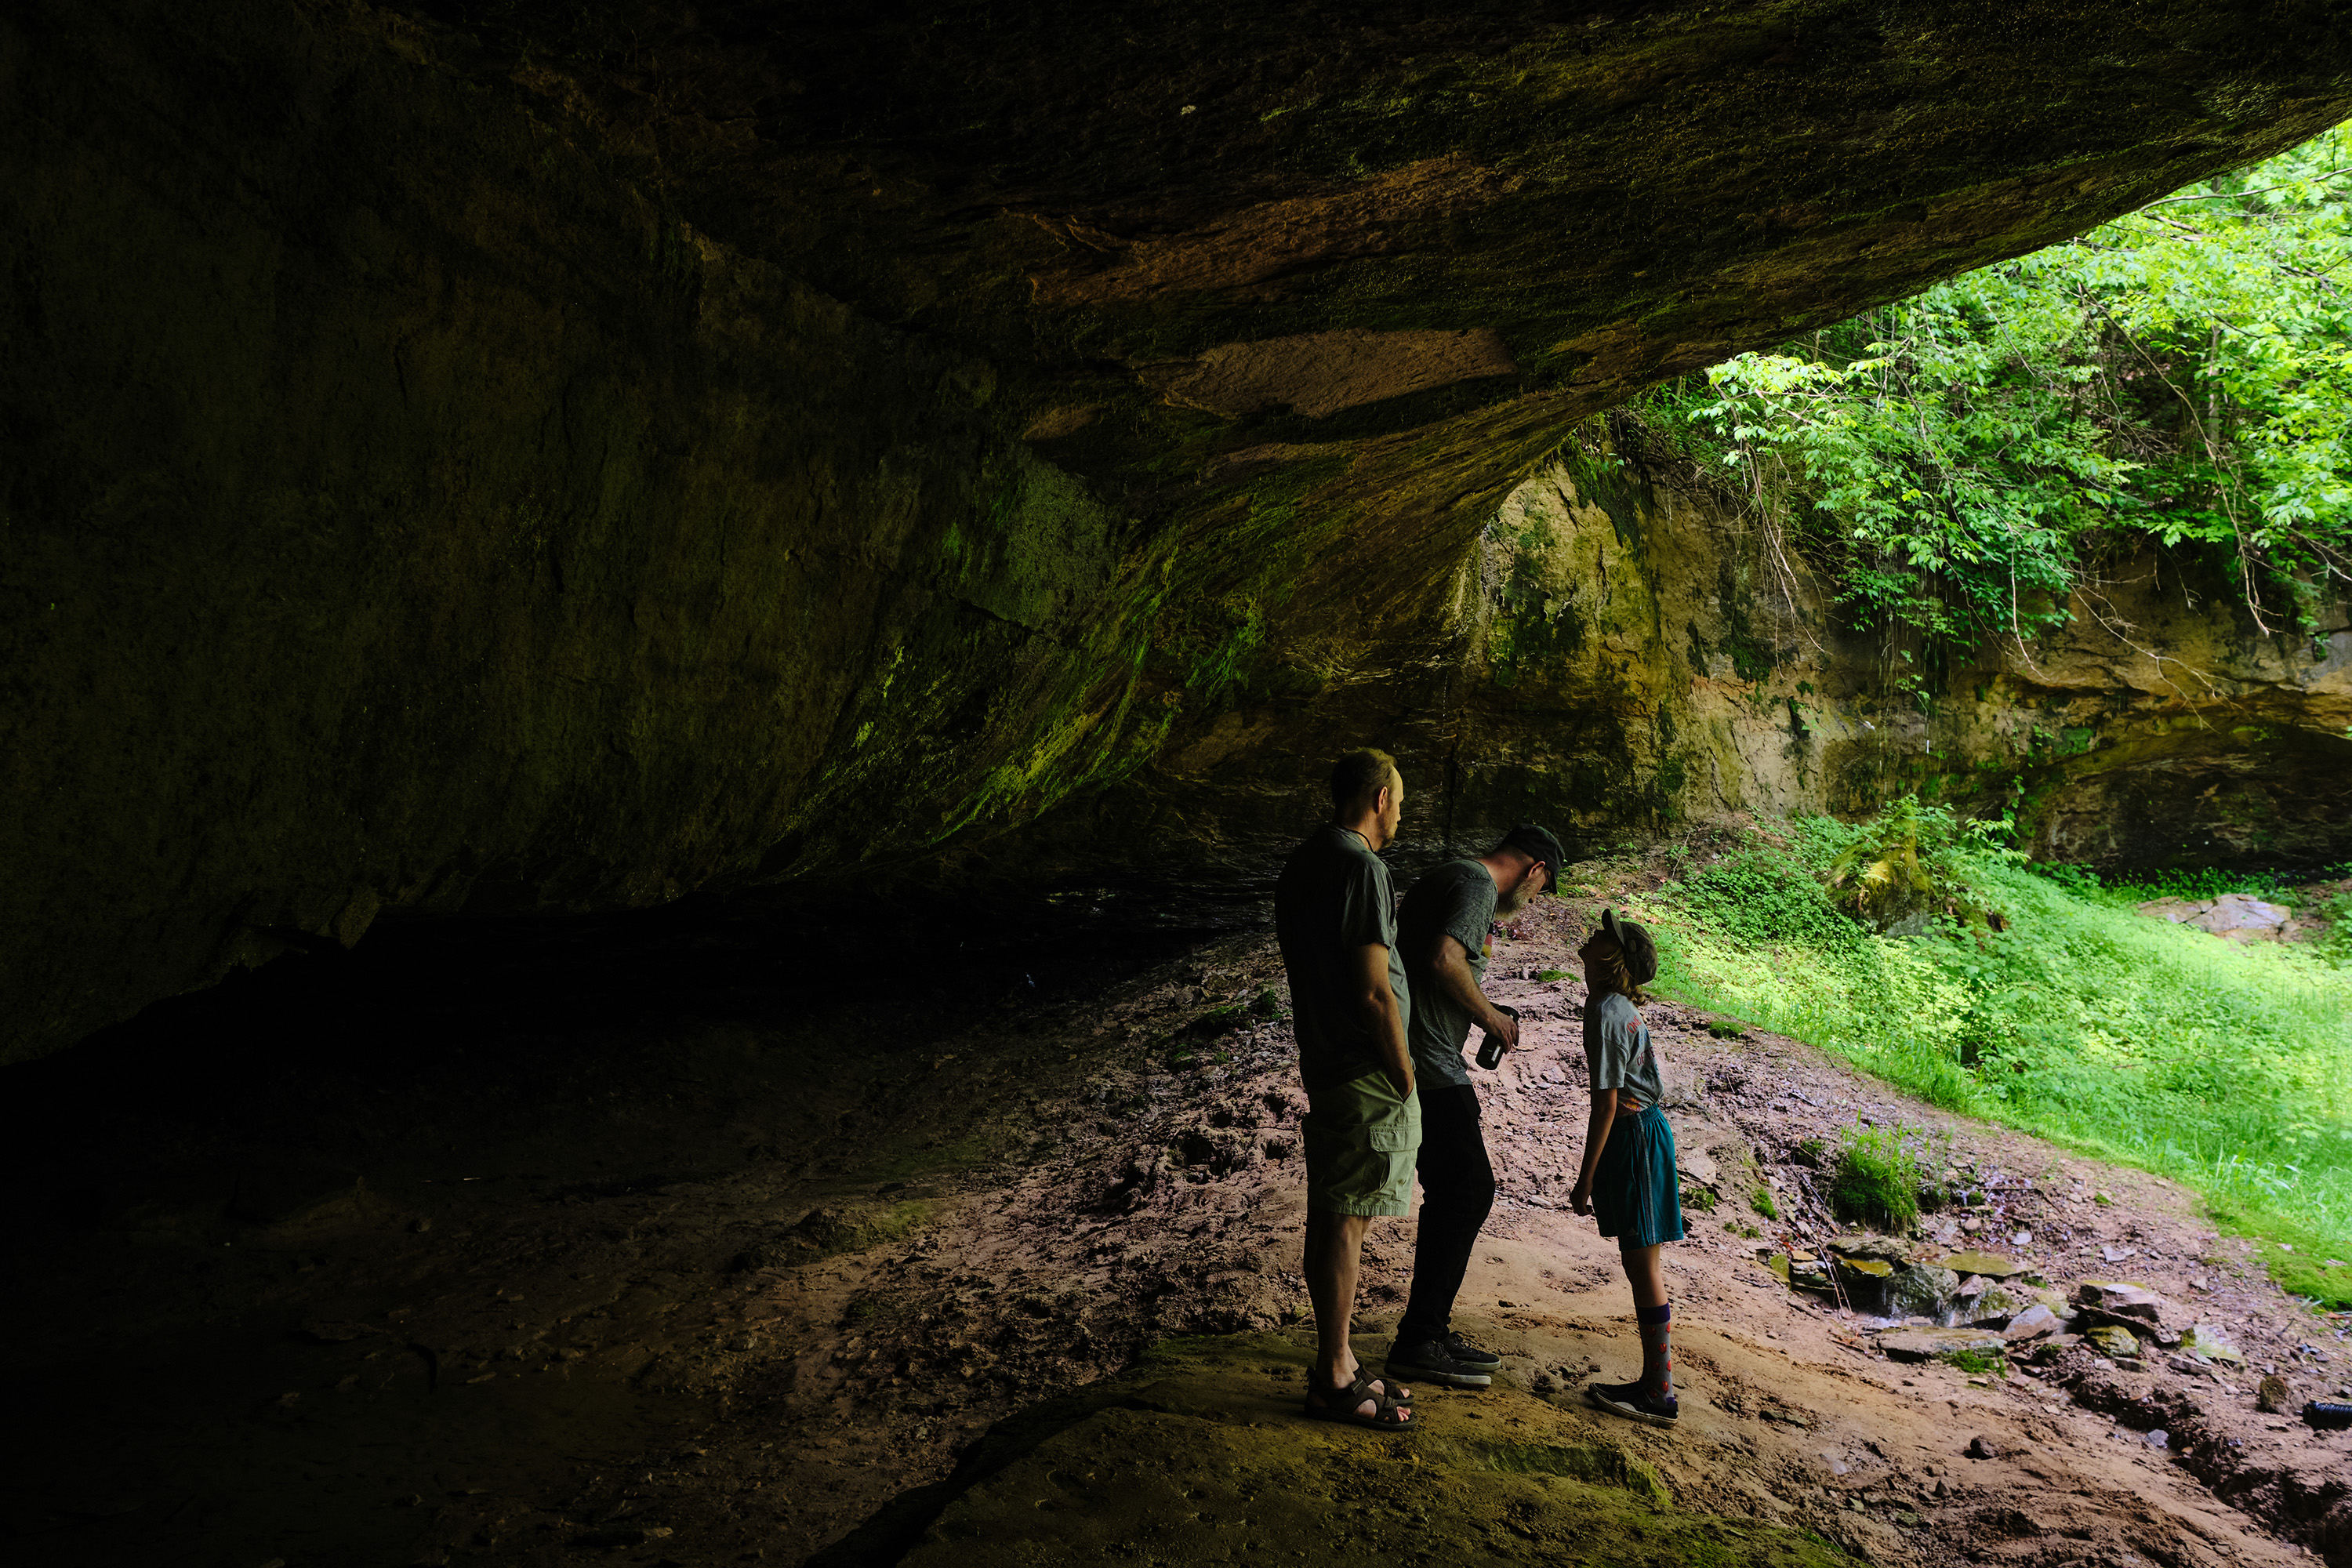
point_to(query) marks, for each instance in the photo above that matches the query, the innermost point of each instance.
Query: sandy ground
(742, 1286)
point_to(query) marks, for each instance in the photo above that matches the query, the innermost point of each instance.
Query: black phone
(1490, 1052)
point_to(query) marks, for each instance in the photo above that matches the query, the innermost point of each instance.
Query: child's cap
(1641, 953)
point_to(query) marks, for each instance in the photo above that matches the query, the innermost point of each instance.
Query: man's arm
(1596, 1138)
(1382, 1016)
(1452, 967)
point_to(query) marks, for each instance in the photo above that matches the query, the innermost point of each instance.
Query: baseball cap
(1641, 953)
(1538, 844)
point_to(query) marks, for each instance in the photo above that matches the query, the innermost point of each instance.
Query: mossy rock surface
(1200, 1454)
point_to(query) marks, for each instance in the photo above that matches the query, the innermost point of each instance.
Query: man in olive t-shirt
(1444, 927)
(1334, 914)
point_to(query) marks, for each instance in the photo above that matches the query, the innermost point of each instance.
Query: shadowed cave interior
(659, 659)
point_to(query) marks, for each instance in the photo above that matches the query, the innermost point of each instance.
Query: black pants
(1457, 1189)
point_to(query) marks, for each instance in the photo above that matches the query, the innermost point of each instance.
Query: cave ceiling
(496, 457)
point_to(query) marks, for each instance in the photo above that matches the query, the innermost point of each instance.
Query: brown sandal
(1387, 1414)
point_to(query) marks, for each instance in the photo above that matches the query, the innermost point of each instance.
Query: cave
(610, 604)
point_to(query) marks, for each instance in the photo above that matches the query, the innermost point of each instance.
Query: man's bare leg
(1334, 1255)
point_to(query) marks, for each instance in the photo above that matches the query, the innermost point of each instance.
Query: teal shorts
(1360, 1143)
(1635, 1192)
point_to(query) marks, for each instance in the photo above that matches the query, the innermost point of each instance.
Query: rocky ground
(717, 1263)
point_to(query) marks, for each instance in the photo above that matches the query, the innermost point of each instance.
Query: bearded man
(1445, 930)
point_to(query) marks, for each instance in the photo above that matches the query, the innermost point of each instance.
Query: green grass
(1983, 1364)
(2225, 1067)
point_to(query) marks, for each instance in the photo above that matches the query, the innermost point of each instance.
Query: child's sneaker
(1627, 1399)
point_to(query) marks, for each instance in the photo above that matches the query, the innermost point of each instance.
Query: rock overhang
(650, 448)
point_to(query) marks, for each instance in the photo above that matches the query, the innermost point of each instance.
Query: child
(1628, 1177)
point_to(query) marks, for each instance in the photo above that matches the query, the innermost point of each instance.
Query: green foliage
(1760, 1200)
(1767, 896)
(1901, 865)
(1551, 974)
(1878, 1178)
(1980, 1363)
(2225, 1066)
(1957, 459)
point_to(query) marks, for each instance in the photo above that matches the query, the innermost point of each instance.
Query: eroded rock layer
(536, 457)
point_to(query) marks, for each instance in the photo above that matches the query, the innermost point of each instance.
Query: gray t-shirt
(1458, 900)
(1618, 1053)
(1333, 899)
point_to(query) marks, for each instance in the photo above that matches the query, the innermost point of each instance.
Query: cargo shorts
(1360, 1144)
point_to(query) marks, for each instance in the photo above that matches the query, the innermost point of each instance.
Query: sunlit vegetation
(2225, 1066)
(1957, 463)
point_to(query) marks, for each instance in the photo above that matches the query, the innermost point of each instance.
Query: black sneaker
(1627, 1399)
(1462, 1351)
(1432, 1360)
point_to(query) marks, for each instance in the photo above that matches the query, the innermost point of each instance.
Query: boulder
(2032, 1323)
(1921, 1290)
(1886, 1248)
(2112, 1340)
(2132, 1307)
(2233, 917)
(1926, 1344)
(1991, 1265)
(2122, 1299)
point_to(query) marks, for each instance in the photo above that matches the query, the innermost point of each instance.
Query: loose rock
(1926, 1344)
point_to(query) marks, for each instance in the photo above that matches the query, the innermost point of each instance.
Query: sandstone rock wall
(553, 455)
(1622, 650)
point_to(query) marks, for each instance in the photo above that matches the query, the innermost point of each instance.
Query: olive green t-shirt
(1333, 899)
(1456, 900)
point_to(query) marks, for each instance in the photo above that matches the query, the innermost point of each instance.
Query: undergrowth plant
(2226, 1066)
(1877, 1178)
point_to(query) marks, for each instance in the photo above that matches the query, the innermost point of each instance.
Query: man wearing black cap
(1443, 932)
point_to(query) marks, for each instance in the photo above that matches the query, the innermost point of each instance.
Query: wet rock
(1808, 1273)
(1864, 1273)
(2272, 1396)
(1990, 1265)
(1926, 1344)
(1922, 1290)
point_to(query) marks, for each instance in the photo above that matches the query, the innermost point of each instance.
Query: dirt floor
(700, 1249)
